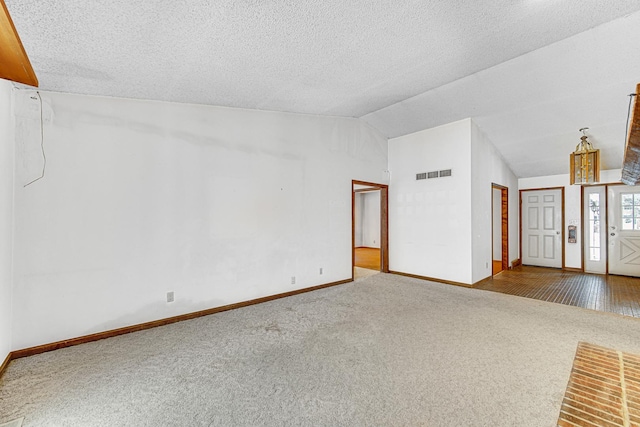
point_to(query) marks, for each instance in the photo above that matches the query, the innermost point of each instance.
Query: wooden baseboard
(516, 263)
(432, 279)
(148, 325)
(5, 363)
(575, 270)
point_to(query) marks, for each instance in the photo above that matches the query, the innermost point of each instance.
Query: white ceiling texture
(529, 72)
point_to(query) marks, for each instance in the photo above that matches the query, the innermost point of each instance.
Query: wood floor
(497, 266)
(368, 258)
(603, 390)
(615, 294)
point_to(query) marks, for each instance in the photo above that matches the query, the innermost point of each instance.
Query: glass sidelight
(594, 226)
(594, 215)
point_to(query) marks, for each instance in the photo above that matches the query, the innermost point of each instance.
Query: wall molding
(155, 323)
(433, 279)
(5, 363)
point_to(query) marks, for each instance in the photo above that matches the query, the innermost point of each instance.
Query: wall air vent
(434, 174)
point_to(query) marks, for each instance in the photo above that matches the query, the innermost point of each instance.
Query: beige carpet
(363, 273)
(384, 351)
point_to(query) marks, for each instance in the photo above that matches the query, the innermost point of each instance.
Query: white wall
(139, 198)
(371, 219)
(6, 217)
(572, 207)
(488, 167)
(442, 228)
(359, 219)
(430, 220)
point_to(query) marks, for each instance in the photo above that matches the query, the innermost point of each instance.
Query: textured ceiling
(403, 65)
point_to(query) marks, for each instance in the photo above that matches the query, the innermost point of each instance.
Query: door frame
(384, 224)
(562, 209)
(606, 207)
(504, 203)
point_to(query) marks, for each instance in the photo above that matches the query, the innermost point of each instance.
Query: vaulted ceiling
(529, 72)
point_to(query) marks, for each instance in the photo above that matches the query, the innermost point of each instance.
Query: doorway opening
(500, 228)
(369, 228)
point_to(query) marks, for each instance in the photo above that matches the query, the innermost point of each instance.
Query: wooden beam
(14, 62)
(631, 163)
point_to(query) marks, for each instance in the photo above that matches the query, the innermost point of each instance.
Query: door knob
(557, 232)
(613, 234)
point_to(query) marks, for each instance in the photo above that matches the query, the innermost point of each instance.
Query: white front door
(542, 228)
(624, 230)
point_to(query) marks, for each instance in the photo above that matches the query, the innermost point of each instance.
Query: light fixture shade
(584, 163)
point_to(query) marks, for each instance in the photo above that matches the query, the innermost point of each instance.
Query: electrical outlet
(293, 280)
(170, 296)
(320, 270)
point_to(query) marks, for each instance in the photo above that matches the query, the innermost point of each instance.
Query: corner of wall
(489, 167)
(7, 196)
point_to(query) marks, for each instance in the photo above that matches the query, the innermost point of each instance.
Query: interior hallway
(614, 294)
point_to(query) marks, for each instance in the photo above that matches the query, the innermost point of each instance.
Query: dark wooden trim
(384, 229)
(371, 184)
(148, 325)
(583, 228)
(520, 227)
(353, 234)
(563, 228)
(631, 161)
(384, 224)
(365, 247)
(15, 61)
(541, 188)
(575, 270)
(4, 365)
(516, 263)
(505, 228)
(606, 227)
(504, 203)
(433, 279)
(493, 231)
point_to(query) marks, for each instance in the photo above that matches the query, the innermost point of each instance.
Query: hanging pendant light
(584, 162)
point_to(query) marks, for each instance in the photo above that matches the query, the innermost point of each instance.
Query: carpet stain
(603, 389)
(273, 328)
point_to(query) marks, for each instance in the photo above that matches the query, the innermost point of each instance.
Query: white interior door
(542, 228)
(624, 230)
(595, 233)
